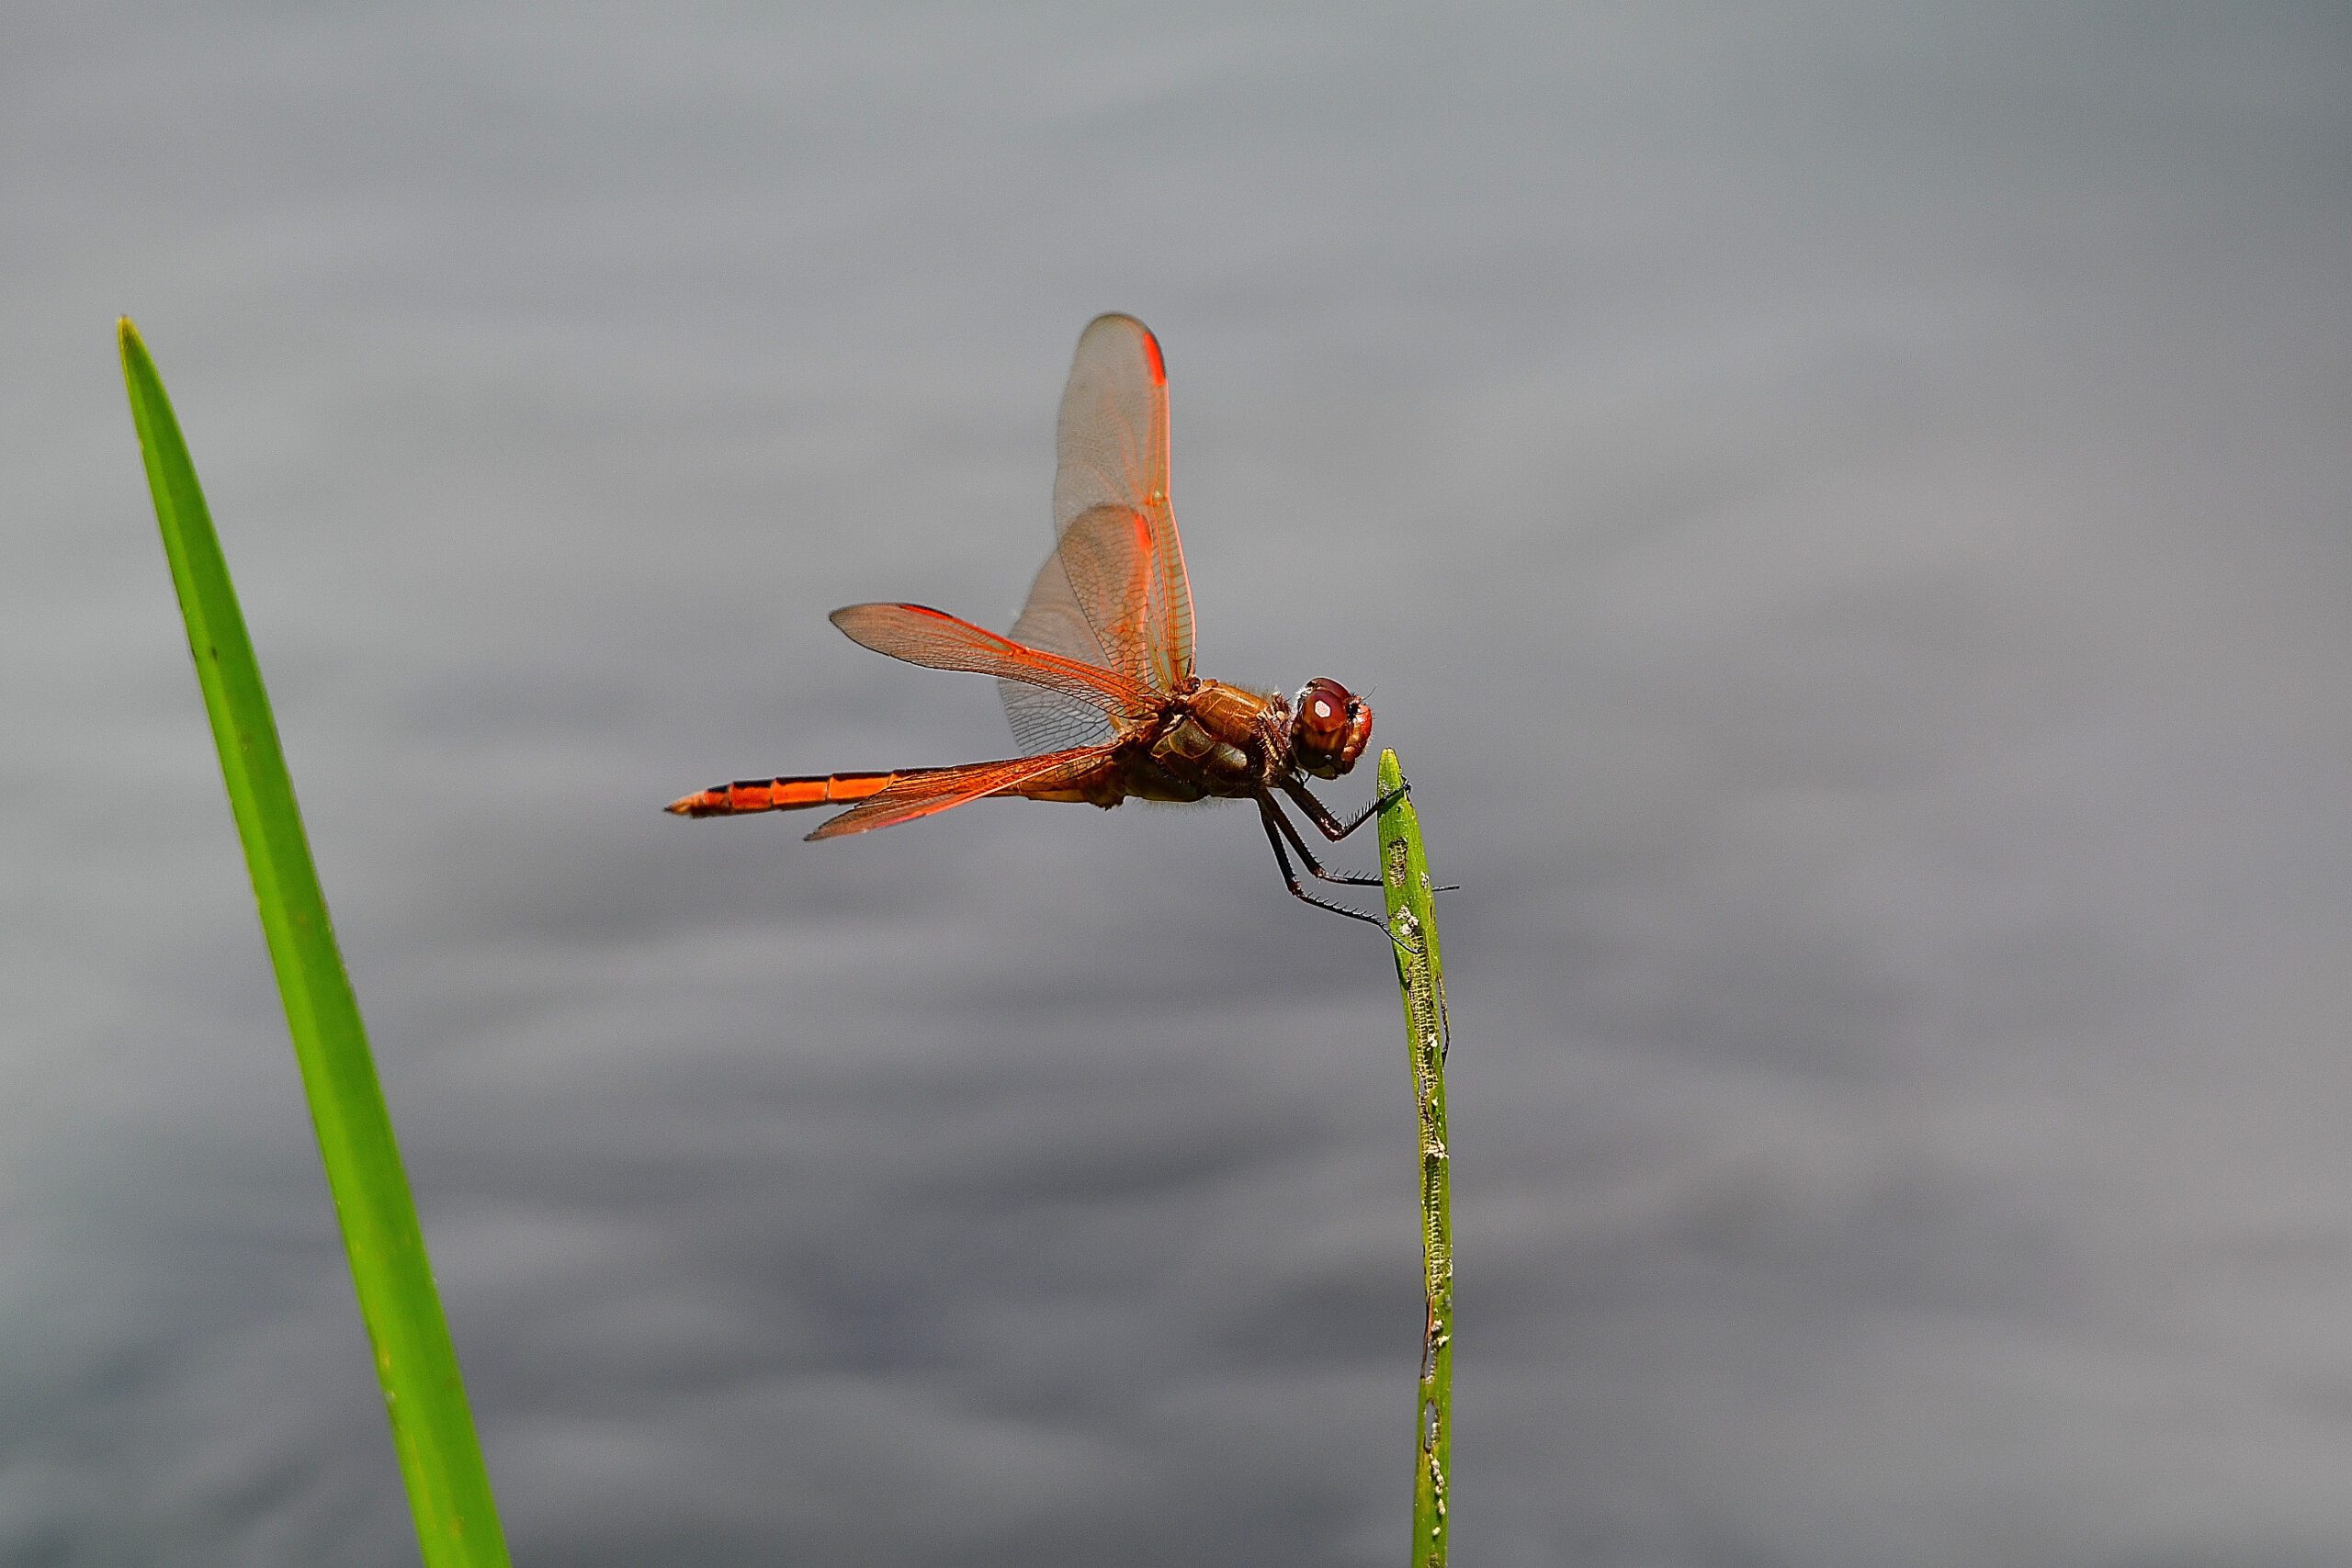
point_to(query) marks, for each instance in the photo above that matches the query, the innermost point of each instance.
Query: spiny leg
(1335, 830)
(1280, 818)
(1268, 815)
(1321, 813)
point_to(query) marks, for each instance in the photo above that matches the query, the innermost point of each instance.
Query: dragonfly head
(1329, 729)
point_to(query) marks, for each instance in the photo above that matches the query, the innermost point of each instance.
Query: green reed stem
(424, 1395)
(1413, 922)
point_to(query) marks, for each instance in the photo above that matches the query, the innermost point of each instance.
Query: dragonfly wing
(1100, 576)
(940, 641)
(936, 789)
(1114, 591)
(1047, 720)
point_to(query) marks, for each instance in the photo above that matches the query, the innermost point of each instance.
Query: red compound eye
(1323, 715)
(1329, 730)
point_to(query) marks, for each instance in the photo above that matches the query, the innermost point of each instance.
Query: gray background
(1842, 511)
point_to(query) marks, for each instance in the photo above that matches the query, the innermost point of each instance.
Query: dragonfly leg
(1335, 830)
(1321, 813)
(1281, 819)
(1269, 814)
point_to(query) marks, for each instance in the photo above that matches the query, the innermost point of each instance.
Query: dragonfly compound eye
(1330, 729)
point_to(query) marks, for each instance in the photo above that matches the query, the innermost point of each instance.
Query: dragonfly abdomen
(746, 796)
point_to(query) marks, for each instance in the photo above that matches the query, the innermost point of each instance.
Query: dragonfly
(1097, 674)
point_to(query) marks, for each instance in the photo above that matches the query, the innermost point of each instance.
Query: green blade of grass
(424, 1395)
(1420, 974)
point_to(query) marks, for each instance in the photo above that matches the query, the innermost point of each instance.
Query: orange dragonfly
(1097, 676)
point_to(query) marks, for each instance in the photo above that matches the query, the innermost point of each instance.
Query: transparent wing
(936, 789)
(1108, 550)
(1114, 592)
(1048, 720)
(1069, 687)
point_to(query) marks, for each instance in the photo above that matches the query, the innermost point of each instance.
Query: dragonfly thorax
(1220, 736)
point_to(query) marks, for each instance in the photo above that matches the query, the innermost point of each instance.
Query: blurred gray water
(1842, 511)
